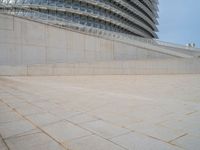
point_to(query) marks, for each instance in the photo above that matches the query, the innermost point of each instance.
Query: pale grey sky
(179, 21)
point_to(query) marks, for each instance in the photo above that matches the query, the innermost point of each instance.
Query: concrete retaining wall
(24, 42)
(32, 48)
(172, 66)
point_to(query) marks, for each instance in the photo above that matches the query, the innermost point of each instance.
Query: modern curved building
(135, 17)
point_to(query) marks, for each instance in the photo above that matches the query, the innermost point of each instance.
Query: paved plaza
(158, 112)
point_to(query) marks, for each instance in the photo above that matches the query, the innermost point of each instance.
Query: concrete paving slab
(3, 145)
(64, 131)
(43, 119)
(104, 129)
(115, 118)
(29, 110)
(100, 112)
(64, 114)
(141, 142)
(16, 104)
(34, 141)
(188, 142)
(9, 117)
(156, 131)
(46, 105)
(12, 98)
(4, 108)
(93, 143)
(13, 128)
(82, 118)
(186, 123)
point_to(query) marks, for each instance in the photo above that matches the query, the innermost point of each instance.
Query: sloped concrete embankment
(148, 67)
(32, 48)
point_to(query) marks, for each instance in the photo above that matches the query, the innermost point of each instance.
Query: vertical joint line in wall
(113, 50)
(13, 23)
(45, 54)
(113, 47)
(21, 41)
(26, 70)
(46, 42)
(84, 46)
(67, 47)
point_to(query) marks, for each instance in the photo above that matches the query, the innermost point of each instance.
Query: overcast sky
(179, 21)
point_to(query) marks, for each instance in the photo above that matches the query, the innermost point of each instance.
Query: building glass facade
(135, 17)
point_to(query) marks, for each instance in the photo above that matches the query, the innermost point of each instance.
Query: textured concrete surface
(134, 67)
(32, 48)
(25, 42)
(100, 113)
